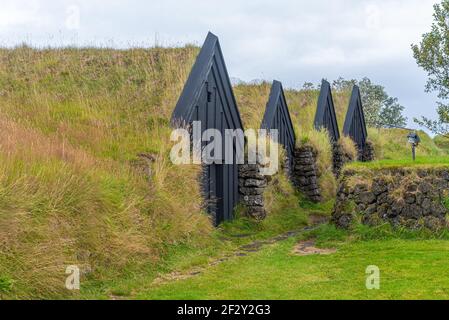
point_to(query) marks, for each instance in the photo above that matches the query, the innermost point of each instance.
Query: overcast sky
(292, 41)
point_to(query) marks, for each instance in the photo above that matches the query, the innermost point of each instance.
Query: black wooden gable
(209, 76)
(277, 117)
(208, 97)
(325, 114)
(355, 126)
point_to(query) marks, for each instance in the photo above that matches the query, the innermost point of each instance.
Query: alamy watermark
(196, 146)
(72, 21)
(373, 278)
(72, 281)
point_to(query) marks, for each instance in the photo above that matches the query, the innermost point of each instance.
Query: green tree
(373, 98)
(390, 115)
(379, 108)
(432, 54)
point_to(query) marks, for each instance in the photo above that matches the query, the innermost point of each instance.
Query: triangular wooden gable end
(208, 79)
(278, 117)
(325, 116)
(208, 97)
(355, 126)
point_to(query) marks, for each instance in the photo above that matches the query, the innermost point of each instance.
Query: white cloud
(19, 13)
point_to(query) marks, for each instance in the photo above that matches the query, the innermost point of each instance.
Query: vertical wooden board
(235, 182)
(355, 125)
(325, 116)
(277, 116)
(208, 97)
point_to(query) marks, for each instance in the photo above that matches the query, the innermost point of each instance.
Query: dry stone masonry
(251, 187)
(339, 158)
(367, 153)
(304, 173)
(403, 197)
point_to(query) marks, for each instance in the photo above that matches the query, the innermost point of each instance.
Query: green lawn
(434, 162)
(410, 269)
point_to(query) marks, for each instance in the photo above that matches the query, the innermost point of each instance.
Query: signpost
(414, 140)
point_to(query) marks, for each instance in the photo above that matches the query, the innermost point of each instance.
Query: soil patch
(307, 248)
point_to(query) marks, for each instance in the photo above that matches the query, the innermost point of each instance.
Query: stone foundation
(304, 173)
(339, 158)
(251, 187)
(413, 198)
(367, 153)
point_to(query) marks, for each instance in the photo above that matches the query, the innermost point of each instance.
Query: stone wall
(304, 173)
(367, 153)
(413, 198)
(251, 187)
(338, 158)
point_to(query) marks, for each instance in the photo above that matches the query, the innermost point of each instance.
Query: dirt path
(307, 248)
(314, 220)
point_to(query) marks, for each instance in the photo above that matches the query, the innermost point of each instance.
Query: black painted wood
(208, 97)
(325, 116)
(278, 117)
(355, 125)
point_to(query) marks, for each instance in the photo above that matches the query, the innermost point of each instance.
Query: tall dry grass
(252, 100)
(73, 188)
(349, 147)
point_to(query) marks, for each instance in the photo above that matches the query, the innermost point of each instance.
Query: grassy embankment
(73, 188)
(442, 142)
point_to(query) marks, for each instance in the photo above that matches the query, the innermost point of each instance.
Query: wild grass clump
(85, 175)
(252, 100)
(349, 147)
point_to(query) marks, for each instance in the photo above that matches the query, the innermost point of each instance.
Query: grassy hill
(85, 177)
(442, 142)
(392, 144)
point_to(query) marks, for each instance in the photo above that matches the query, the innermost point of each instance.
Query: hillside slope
(392, 144)
(442, 142)
(84, 176)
